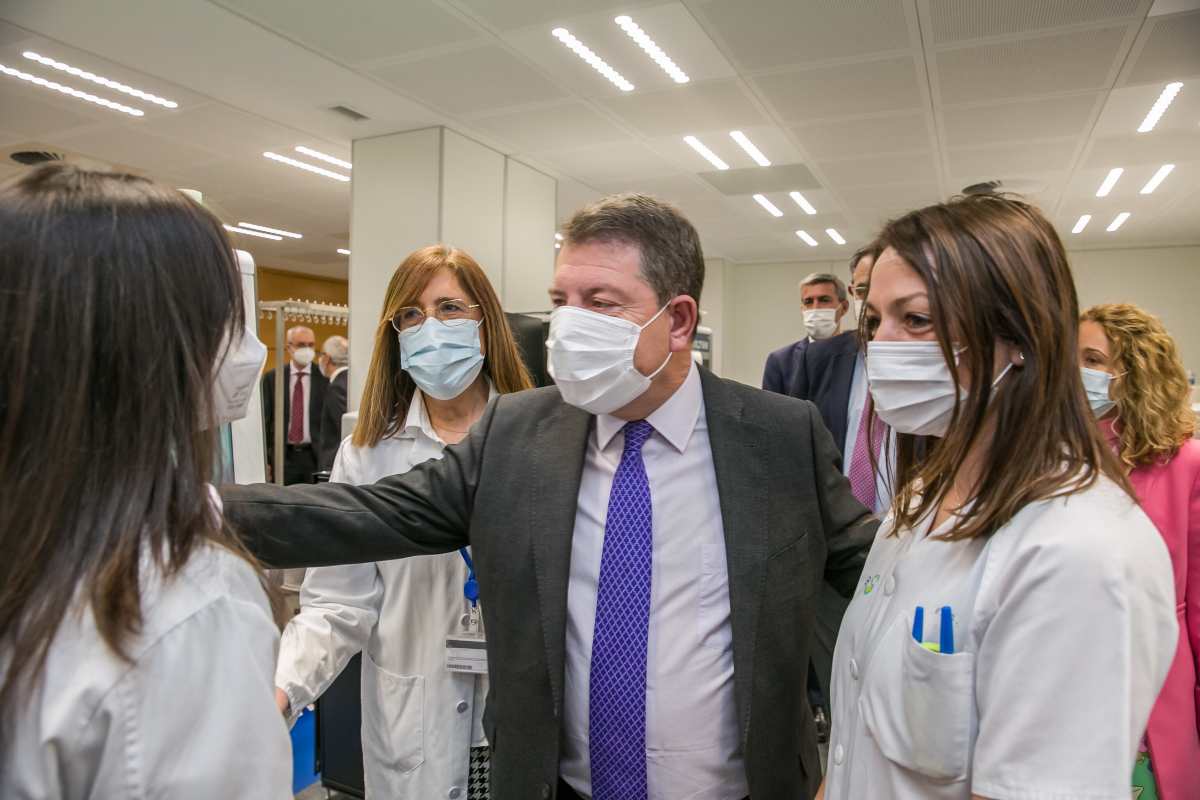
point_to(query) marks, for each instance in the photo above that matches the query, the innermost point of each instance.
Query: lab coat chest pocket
(393, 719)
(919, 706)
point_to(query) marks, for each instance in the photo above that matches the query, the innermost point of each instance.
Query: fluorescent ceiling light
(558, 237)
(1081, 223)
(1160, 106)
(750, 149)
(248, 232)
(1158, 178)
(337, 176)
(833, 234)
(1118, 221)
(105, 82)
(651, 49)
(768, 205)
(76, 93)
(275, 231)
(802, 202)
(343, 251)
(808, 240)
(709, 155)
(1110, 181)
(597, 63)
(328, 159)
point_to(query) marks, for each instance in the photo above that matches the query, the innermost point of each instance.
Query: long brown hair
(995, 269)
(116, 294)
(1153, 395)
(389, 389)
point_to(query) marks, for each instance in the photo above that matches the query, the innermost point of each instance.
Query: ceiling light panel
(319, 156)
(596, 62)
(1160, 107)
(709, 155)
(1110, 181)
(744, 142)
(802, 201)
(67, 90)
(1118, 221)
(771, 208)
(651, 49)
(1158, 178)
(1081, 223)
(833, 234)
(248, 232)
(100, 81)
(343, 251)
(808, 240)
(291, 162)
(265, 229)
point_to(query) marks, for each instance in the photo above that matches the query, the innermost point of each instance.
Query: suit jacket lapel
(557, 455)
(742, 489)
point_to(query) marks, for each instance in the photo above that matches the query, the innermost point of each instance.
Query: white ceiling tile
(873, 201)
(132, 146)
(1011, 160)
(1126, 108)
(549, 127)
(610, 162)
(1171, 50)
(228, 131)
(954, 20)
(843, 90)
(692, 108)
(757, 180)
(1044, 118)
(896, 133)
(43, 113)
(1158, 147)
(507, 15)
(874, 170)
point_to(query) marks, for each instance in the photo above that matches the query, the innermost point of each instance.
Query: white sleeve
(1070, 662)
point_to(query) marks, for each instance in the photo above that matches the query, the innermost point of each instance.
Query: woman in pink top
(1137, 385)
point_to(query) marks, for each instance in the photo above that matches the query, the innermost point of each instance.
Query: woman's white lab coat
(191, 717)
(419, 720)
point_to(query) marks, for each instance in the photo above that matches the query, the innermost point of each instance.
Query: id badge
(466, 654)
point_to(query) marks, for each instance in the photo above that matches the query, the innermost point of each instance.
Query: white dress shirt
(419, 720)
(293, 375)
(859, 390)
(693, 747)
(1064, 628)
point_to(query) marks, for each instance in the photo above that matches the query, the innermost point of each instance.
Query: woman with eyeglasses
(1016, 617)
(443, 349)
(1137, 386)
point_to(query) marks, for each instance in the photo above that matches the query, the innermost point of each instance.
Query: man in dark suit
(303, 391)
(823, 303)
(639, 470)
(335, 365)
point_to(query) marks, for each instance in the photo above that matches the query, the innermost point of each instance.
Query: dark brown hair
(995, 269)
(117, 295)
(389, 389)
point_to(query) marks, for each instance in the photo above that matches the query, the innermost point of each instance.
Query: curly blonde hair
(1153, 396)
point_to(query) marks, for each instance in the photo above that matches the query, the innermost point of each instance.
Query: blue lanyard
(471, 587)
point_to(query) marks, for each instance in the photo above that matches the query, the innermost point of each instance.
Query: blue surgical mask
(443, 359)
(1096, 384)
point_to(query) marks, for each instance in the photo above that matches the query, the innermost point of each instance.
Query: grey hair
(672, 260)
(288, 338)
(338, 350)
(826, 277)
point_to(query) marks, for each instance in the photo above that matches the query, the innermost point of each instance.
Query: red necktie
(862, 475)
(296, 423)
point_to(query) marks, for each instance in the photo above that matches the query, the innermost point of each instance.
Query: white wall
(762, 301)
(529, 208)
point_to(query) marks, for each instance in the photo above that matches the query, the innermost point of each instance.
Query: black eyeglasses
(448, 311)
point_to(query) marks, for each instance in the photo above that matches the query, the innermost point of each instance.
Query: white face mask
(820, 323)
(303, 356)
(912, 387)
(235, 377)
(591, 359)
(443, 359)
(1096, 384)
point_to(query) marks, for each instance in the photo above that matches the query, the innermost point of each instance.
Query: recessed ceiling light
(808, 240)
(67, 90)
(771, 208)
(750, 149)
(248, 232)
(275, 231)
(337, 176)
(596, 62)
(328, 159)
(1081, 223)
(709, 155)
(105, 82)
(1118, 221)
(833, 234)
(1160, 107)
(802, 202)
(1158, 178)
(1110, 181)
(343, 251)
(651, 49)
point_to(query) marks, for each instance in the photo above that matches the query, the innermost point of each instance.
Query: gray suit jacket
(510, 490)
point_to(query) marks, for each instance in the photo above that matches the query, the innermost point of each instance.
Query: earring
(1021, 356)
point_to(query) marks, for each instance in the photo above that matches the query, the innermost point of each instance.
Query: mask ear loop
(649, 322)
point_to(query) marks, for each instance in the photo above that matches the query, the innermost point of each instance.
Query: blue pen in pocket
(945, 643)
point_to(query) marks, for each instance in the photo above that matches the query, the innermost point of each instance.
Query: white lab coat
(192, 717)
(419, 720)
(1064, 628)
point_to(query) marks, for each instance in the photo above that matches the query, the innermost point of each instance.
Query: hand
(282, 701)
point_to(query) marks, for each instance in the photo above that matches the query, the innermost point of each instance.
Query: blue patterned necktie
(617, 710)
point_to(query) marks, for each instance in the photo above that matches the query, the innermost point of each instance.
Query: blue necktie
(617, 699)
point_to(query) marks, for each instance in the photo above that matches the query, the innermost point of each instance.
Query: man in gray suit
(648, 540)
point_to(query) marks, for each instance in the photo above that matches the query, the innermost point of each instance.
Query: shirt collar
(337, 372)
(300, 370)
(417, 422)
(674, 420)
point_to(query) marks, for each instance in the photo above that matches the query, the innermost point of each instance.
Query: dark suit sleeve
(772, 380)
(800, 385)
(267, 395)
(422, 512)
(331, 423)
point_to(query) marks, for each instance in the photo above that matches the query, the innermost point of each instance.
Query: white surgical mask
(442, 358)
(820, 323)
(236, 376)
(1096, 384)
(912, 387)
(591, 359)
(303, 356)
